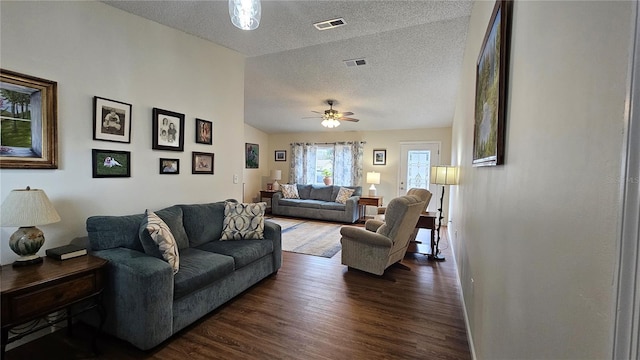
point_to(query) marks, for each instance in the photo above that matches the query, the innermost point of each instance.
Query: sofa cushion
(244, 252)
(172, 216)
(304, 191)
(243, 221)
(357, 191)
(312, 204)
(107, 232)
(203, 222)
(332, 206)
(343, 195)
(289, 191)
(321, 193)
(199, 268)
(158, 241)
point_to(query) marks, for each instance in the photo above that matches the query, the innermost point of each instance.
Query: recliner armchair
(383, 243)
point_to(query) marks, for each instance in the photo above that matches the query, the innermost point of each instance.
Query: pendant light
(245, 14)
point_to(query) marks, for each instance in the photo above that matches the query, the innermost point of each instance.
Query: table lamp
(27, 208)
(276, 175)
(441, 175)
(373, 178)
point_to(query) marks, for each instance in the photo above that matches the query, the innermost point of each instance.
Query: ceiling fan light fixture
(245, 14)
(330, 123)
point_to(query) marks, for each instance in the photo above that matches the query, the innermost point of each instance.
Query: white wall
(92, 49)
(538, 235)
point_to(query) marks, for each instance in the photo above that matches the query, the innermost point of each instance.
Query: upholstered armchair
(383, 243)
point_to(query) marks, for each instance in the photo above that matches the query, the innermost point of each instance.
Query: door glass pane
(418, 167)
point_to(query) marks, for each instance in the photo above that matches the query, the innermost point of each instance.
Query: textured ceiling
(413, 50)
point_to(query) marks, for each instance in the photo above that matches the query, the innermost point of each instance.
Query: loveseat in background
(318, 202)
(145, 302)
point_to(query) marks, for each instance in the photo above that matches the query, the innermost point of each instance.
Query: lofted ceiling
(413, 52)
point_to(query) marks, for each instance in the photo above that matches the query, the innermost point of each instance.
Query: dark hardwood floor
(314, 308)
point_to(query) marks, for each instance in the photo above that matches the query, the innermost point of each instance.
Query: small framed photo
(252, 156)
(379, 157)
(168, 130)
(111, 120)
(169, 166)
(204, 132)
(281, 155)
(202, 163)
(269, 186)
(111, 163)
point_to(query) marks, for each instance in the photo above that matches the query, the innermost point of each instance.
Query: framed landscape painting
(379, 157)
(491, 88)
(281, 155)
(168, 130)
(28, 121)
(111, 163)
(111, 120)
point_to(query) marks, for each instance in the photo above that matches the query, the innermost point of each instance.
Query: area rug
(318, 238)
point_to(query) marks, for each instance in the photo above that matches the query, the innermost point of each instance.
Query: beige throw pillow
(343, 195)
(289, 191)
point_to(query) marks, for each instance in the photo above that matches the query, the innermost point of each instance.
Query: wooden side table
(367, 200)
(267, 194)
(34, 291)
(427, 220)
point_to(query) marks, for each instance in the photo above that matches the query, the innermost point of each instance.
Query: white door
(416, 160)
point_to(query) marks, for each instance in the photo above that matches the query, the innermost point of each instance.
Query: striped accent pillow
(243, 221)
(289, 191)
(161, 235)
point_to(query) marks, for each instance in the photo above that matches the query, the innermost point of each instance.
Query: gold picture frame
(28, 122)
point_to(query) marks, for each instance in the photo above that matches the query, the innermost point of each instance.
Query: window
(324, 163)
(342, 161)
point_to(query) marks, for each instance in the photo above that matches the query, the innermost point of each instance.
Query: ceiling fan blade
(312, 117)
(317, 112)
(347, 113)
(348, 119)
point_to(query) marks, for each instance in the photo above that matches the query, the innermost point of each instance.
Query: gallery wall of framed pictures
(112, 121)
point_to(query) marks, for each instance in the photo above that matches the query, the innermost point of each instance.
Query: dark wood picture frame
(280, 155)
(37, 101)
(491, 88)
(204, 132)
(111, 120)
(110, 163)
(202, 162)
(169, 166)
(251, 156)
(380, 157)
(168, 130)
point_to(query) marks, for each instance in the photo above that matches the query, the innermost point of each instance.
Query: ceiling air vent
(330, 24)
(355, 62)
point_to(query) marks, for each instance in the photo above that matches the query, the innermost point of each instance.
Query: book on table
(66, 252)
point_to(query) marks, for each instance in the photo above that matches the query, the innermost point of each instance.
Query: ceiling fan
(331, 118)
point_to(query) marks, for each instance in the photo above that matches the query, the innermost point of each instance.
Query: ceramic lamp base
(26, 242)
(372, 190)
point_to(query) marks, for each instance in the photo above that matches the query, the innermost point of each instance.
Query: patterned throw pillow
(243, 221)
(289, 191)
(158, 231)
(343, 195)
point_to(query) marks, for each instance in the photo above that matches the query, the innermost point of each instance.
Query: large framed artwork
(252, 156)
(28, 120)
(491, 88)
(111, 120)
(168, 130)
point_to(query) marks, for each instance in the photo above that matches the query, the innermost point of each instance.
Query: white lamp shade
(276, 174)
(373, 177)
(28, 207)
(444, 175)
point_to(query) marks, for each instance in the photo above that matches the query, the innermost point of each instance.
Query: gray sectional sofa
(318, 202)
(145, 302)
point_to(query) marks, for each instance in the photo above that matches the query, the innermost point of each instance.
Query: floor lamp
(441, 175)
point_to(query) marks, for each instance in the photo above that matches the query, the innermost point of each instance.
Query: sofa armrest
(275, 198)
(273, 232)
(351, 208)
(363, 236)
(138, 297)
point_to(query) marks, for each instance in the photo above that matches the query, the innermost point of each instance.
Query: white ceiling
(413, 50)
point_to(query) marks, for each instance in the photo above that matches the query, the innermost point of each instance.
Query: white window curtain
(347, 163)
